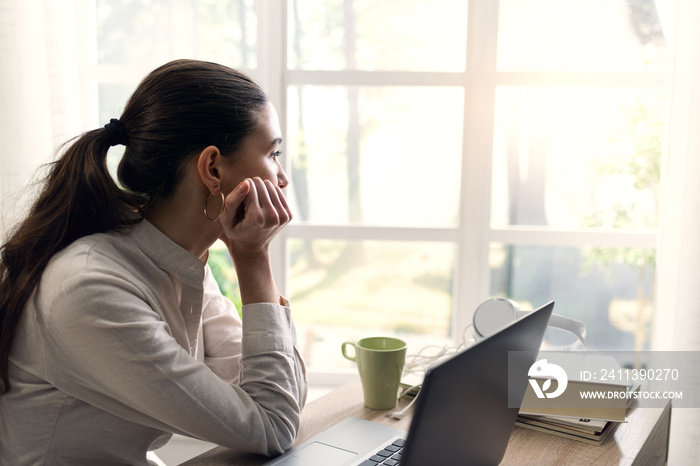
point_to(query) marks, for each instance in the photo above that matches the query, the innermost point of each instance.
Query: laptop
(462, 413)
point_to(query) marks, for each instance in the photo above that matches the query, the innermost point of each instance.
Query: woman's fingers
(266, 205)
(265, 212)
(260, 208)
(279, 203)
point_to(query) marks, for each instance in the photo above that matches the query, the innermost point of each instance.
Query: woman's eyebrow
(276, 141)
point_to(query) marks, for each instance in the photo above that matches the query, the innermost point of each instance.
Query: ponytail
(79, 198)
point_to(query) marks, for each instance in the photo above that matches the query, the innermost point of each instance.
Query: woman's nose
(282, 180)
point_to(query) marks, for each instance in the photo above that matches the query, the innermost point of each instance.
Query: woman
(114, 333)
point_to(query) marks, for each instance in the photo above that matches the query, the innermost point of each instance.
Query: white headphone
(496, 313)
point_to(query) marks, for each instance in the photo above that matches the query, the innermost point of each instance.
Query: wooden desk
(643, 440)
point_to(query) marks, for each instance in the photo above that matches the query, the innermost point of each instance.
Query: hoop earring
(206, 205)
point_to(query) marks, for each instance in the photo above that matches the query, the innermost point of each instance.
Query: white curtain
(40, 103)
(677, 319)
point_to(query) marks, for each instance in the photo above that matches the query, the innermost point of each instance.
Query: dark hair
(178, 109)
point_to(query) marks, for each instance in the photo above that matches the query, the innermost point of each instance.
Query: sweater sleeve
(222, 332)
(105, 346)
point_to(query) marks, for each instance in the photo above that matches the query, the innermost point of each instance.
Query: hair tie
(116, 132)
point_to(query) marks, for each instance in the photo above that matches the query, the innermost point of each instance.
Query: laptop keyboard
(390, 455)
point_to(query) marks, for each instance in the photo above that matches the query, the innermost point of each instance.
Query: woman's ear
(209, 168)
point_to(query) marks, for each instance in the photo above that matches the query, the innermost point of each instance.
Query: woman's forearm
(255, 279)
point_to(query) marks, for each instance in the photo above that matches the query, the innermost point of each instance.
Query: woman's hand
(265, 213)
(254, 212)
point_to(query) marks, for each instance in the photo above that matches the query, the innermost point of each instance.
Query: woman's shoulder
(92, 269)
(96, 250)
(137, 257)
(93, 257)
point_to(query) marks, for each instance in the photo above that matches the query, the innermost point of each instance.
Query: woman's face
(258, 156)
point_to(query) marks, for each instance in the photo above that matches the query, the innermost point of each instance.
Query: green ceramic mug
(380, 362)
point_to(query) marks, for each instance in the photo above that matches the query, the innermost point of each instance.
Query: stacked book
(570, 414)
(592, 431)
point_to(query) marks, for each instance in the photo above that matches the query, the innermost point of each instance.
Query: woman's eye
(276, 154)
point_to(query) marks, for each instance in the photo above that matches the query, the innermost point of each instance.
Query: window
(440, 153)
(446, 153)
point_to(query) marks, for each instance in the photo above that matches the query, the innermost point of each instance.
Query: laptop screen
(462, 414)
